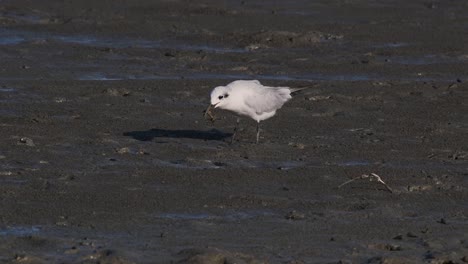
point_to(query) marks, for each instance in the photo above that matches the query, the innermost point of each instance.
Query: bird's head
(220, 96)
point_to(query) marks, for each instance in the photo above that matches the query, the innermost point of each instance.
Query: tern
(250, 98)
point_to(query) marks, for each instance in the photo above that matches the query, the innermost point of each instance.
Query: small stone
(253, 47)
(240, 68)
(319, 98)
(27, 141)
(393, 247)
(294, 215)
(123, 150)
(388, 247)
(419, 188)
(71, 251)
(412, 235)
(214, 255)
(61, 223)
(219, 164)
(28, 259)
(442, 221)
(396, 260)
(116, 92)
(169, 54)
(143, 152)
(299, 146)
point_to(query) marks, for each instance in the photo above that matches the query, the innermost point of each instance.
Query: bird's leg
(235, 130)
(258, 131)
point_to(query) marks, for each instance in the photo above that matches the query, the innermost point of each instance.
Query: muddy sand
(105, 156)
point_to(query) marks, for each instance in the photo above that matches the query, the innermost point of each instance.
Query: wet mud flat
(105, 156)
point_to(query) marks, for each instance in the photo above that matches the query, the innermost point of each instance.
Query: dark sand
(105, 156)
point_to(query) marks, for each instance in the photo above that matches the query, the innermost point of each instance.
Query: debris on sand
(371, 177)
(116, 92)
(294, 215)
(215, 255)
(26, 141)
(209, 114)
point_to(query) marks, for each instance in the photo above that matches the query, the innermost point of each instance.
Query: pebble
(294, 215)
(442, 221)
(123, 150)
(254, 47)
(72, 250)
(319, 98)
(169, 54)
(29, 259)
(116, 92)
(419, 188)
(297, 145)
(216, 256)
(26, 141)
(396, 260)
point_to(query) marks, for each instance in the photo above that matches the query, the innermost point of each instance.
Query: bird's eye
(220, 97)
(226, 95)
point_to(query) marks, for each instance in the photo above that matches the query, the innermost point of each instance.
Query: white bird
(250, 98)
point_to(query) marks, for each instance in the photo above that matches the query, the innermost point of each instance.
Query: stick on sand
(371, 177)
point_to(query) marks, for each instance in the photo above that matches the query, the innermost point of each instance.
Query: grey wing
(268, 99)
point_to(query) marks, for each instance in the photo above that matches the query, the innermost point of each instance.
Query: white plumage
(250, 98)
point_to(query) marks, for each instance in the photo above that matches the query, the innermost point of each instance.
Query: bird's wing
(267, 99)
(245, 83)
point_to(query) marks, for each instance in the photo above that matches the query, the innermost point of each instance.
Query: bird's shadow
(149, 135)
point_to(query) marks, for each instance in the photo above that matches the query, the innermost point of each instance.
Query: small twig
(382, 182)
(371, 177)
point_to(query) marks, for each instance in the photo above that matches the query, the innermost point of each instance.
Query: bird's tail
(295, 91)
